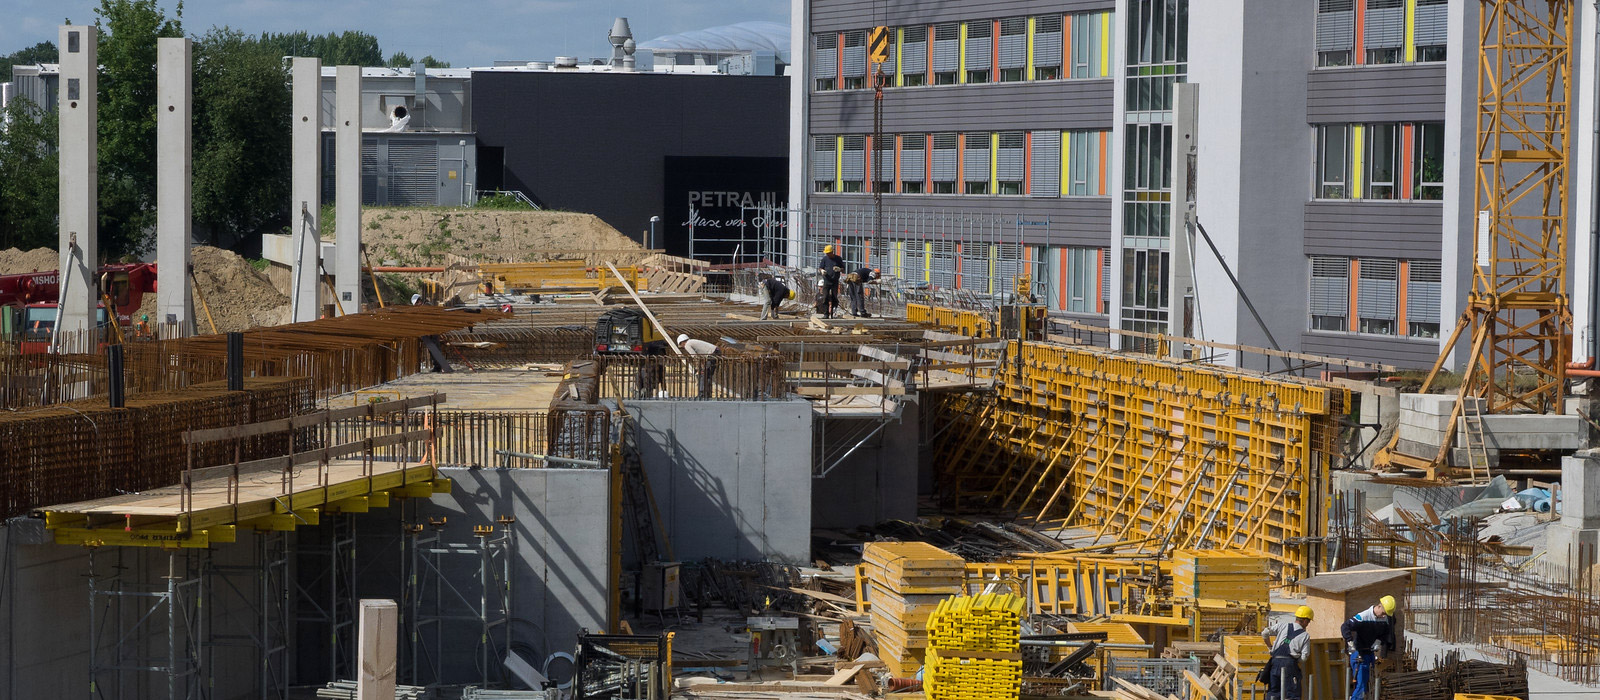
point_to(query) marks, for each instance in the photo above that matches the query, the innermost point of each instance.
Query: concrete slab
(732, 478)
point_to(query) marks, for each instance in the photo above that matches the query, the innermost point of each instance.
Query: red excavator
(28, 302)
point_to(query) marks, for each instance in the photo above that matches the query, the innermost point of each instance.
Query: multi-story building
(1328, 166)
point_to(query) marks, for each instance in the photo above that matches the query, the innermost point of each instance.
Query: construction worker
(773, 293)
(830, 259)
(692, 346)
(831, 269)
(1368, 636)
(652, 374)
(142, 329)
(1290, 646)
(856, 286)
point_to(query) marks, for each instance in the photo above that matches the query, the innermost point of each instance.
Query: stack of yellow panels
(975, 648)
(907, 581)
(1249, 654)
(1205, 574)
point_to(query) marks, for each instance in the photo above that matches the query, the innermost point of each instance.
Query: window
(1377, 295)
(913, 56)
(1147, 180)
(913, 162)
(1422, 299)
(944, 164)
(1081, 281)
(1336, 32)
(1428, 162)
(824, 161)
(1144, 296)
(946, 53)
(826, 60)
(1013, 49)
(1330, 293)
(1384, 33)
(1430, 30)
(975, 164)
(854, 166)
(855, 61)
(1333, 158)
(883, 166)
(1382, 163)
(1010, 162)
(1084, 164)
(980, 50)
(1047, 47)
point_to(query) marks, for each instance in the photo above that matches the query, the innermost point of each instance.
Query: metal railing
(723, 378)
(514, 194)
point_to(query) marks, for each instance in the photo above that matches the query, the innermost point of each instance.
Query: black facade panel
(1403, 230)
(842, 15)
(1025, 106)
(599, 143)
(1076, 221)
(1405, 353)
(1400, 93)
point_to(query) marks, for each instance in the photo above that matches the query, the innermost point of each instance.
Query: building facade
(1327, 170)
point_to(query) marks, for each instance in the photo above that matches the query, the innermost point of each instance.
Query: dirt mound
(239, 295)
(413, 236)
(15, 262)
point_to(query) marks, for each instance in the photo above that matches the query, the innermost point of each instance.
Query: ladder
(1472, 441)
(639, 506)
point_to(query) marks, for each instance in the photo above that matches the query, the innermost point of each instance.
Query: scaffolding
(144, 637)
(326, 599)
(438, 602)
(262, 632)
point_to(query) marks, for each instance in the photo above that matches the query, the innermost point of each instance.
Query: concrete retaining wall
(732, 479)
(877, 482)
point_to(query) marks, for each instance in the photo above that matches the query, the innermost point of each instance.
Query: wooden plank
(849, 391)
(378, 645)
(671, 343)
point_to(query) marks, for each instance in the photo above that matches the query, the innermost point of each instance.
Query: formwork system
(481, 603)
(1151, 454)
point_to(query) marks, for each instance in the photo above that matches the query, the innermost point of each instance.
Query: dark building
(628, 146)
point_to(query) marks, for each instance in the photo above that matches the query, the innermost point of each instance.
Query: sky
(463, 32)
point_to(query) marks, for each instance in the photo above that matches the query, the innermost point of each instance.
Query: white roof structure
(744, 36)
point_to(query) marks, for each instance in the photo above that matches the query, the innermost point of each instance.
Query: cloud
(465, 33)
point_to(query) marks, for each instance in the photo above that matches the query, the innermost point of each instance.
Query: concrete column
(305, 202)
(347, 188)
(1584, 161)
(1114, 164)
(80, 175)
(799, 129)
(174, 181)
(1460, 174)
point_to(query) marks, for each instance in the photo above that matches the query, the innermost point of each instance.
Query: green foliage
(42, 52)
(399, 284)
(127, 149)
(260, 264)
(348, 48)
(501, 201)
(401, 60)
(28, 176)
(327, 221)
(241, 133)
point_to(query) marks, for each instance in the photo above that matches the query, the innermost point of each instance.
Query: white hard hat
(415, 298)
(682, 338)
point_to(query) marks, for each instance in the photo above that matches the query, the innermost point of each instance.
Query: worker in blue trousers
(1368, 636)
(1290, 646)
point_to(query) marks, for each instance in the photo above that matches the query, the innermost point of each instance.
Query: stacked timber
(907, 581)
(1220, 576)
(975, 648)
(1247, 654)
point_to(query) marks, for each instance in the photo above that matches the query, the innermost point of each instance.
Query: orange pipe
(1583, 369)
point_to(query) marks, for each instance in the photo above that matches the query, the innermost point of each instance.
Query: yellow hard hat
(1388, 604)
(1304, 612)
(791, 294)
(827, 248)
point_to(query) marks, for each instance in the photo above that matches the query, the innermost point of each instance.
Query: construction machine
(1024, 318)
(29, 301)
(626, 331)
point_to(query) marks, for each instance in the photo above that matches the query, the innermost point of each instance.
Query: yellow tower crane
(1517, 314)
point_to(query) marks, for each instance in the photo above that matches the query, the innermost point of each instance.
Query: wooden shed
(1337, 595)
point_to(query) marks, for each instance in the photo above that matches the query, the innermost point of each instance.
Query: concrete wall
(877, 482)
(561, 578)
(731, 479)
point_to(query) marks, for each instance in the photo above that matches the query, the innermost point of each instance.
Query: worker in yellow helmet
(1368, 635)
(1290, 646)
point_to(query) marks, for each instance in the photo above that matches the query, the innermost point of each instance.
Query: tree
(401, 60)
(347, 48)
(128, 32)
(241, 133)
(42, 52)
(28, 176)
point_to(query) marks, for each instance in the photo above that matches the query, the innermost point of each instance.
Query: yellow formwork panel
(1171, 455)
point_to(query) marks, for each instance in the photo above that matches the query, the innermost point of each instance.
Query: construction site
(567, 466)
